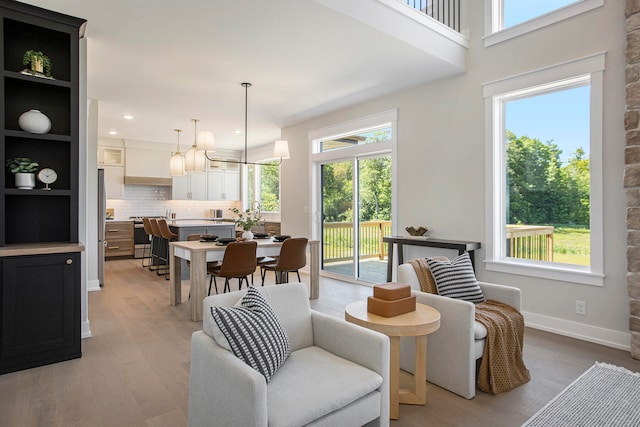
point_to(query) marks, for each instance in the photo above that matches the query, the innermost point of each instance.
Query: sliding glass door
(352, 196)
(356, 214)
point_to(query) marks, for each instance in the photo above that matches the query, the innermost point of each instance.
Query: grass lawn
(571, 245)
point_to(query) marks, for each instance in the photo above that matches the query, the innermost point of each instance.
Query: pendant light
(194, 160)
(176, 164)
(280, 148)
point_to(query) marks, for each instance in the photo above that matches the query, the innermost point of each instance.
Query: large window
(506, 19)
(264, 186)
(545, 193)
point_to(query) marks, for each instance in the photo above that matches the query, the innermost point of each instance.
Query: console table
(457, 245)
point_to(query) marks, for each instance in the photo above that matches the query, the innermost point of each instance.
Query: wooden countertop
(40, 248)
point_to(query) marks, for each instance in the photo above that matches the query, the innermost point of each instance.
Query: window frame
(496, 93)
(495, 33)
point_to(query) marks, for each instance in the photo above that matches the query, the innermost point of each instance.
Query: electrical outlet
(581, 307)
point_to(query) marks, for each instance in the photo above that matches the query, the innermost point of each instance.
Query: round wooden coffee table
(425, 320)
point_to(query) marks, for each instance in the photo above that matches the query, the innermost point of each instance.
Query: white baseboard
(93, 285)
(581, 331)
(85, 330)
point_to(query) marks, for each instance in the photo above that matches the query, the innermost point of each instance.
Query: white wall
(441, 157)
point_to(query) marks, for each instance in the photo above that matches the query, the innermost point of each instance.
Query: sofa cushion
(479, 331)
(456, 279)
(254, 333)
(337, 382)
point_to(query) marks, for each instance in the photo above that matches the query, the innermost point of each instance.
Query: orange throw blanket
(502, 368)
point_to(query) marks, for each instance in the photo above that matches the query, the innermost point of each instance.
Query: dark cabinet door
(40, 310)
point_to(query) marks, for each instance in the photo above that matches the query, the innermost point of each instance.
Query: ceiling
(166, 62)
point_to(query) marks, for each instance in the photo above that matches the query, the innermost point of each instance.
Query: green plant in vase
(24, 169)
(246, 220)
(37, 63)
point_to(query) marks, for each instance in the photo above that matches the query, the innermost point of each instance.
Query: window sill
(561, 272)
(546, 20)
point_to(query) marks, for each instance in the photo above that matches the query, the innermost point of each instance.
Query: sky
(561, 116)
(516, 11)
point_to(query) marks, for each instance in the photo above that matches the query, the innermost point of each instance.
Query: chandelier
(280, 147)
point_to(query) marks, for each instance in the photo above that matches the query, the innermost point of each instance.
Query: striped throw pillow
(456, 279)
(254, 333)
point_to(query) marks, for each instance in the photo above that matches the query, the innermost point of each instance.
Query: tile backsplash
(148, 200)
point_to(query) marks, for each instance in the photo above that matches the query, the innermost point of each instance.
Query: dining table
(199, 253)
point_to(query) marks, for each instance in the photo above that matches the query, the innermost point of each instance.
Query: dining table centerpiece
(246, 220)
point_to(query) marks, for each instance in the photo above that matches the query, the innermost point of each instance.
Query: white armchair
(455, 347)
(337, 372)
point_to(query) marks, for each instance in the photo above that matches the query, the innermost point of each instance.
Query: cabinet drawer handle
(69, 261)
(113, 247)
(113, 230)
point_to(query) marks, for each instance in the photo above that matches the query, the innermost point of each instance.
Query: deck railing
(338, 240)
(533, 242)
(446, 12)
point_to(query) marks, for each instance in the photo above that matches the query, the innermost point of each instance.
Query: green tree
(375, 189)
(337, 193)
(541, 189)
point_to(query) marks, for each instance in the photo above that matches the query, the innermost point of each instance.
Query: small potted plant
(38, 64)
(246, 220)
(24, 169)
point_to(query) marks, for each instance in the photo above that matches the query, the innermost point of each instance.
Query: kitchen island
(184, 227)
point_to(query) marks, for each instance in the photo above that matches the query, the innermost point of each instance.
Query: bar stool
(156, 240)
(167, 236)
(293, 256)
(148, 248)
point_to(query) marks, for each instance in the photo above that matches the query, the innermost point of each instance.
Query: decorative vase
(34, 121)
(25, 181)
(247, 235)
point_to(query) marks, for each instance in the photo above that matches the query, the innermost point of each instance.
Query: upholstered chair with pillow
(459, 343)
(264, 358)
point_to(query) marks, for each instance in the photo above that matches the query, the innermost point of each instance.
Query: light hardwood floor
(135, 368)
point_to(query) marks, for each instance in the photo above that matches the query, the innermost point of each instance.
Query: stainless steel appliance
(102, 214)
(140, 237)
(216, 213)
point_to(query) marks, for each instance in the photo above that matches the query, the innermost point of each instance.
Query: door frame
(317, 159)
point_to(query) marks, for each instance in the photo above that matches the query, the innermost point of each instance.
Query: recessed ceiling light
(113, 132)
(237, 131)
(127, 116)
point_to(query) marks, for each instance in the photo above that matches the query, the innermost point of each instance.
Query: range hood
(143, 180)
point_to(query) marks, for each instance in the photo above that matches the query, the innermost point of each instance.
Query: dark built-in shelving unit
(40, 262)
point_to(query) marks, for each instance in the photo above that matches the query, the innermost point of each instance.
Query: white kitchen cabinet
(114, 181)
(223, 185)
(192, 186)
(110, 156)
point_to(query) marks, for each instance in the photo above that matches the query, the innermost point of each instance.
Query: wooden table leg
(420, 372)
(418, 394)
(175, 287)
(198, 276)
(394, 378)
(314, 269)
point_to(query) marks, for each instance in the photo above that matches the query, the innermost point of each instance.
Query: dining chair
(293, 256)
(167, 236)
(239, 261)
